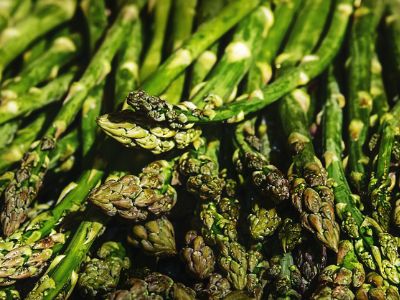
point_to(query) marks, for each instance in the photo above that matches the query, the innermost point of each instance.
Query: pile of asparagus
(200, 149)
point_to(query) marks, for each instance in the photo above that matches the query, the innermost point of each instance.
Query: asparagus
(290, 235)
(392, 28)
(217, 287)
(7, 8)
(44, 18)
(183, 17)
(378, 94)
(181, 117)
(154, 53)
(23, 190)
(376, 249)
(8, 132)
(359, 85)
(45, 67)
(35, 51)
(261, 71)
(36, 98)
(376, 287)
(381, 184)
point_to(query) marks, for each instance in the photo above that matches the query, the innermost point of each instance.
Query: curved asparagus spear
(44, 18)
(183, 17)
(381, 184)
(45, 67)
(376, 249)
(359, 85)
(181, 117)
(153, 54)
(36, 98)
(23, 190)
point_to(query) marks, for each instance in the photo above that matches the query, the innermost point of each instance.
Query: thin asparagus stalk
(61, 52)
(359, 85)
(379, 97)
(36, 98)
(154, 54)
(95, 13)
(23, 190)
(207, 9)
(236, 60)
(8, 132)
(183, 18)
(260, 72)
(204, 37)
(376, 249)
(44, 18)
(392, 28)
(35, 51)
(183, 118)
(381, 184)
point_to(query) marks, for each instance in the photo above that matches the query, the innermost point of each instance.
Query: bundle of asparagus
(228, 149)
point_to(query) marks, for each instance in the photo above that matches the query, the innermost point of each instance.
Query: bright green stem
(46, 67)
(8, 132)
(59, 275)
(95, 13)
(208, 33)
(222, 82)
(293, 78)
(65, 149)
(183, 17)
(359, 85)
(14, 40)
(35, 51)
(6, 10)
(127, 71)
(23, 8)
(23, 139)
(154, 53)
(260, 72)
(36, 98)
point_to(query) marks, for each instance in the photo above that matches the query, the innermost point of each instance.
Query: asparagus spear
(8, 132)
(376, 287)
(100, 275)
(154, 53)
(61, 52)
(183, 16)
(23, 190)
(392, 28)
(7, 8)
(182, 118)
(35, 99)
(376, 249)
(381, 184)
(359, 85)
(378, 94)
(44, 18)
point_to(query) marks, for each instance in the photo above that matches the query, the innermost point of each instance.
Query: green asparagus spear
(392, 28)
(100, 275)
(7, 8)
(381, 184)
(378, 94)
(8, 132)
(376, 287)
(359, 85)
(46, 67)
(45, 17)
(23, 190)
(36, 98)
(376, 249)
(154, 53)
(183, 17)
(182, 118)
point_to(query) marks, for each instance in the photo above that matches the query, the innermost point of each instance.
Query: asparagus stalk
(207, 9)
(36, 98)
(378, 94)
(44, 18)
(236, 60)
(359, 85)
(154, 53)
(100, 275)
(23, 190)
(381, 184)
(182, 118)
(35, 51)
(376, 249)
(183, 17)
(7, 8)
(203, 38)
(61, 52)
(260, 72)
(392, 28)
(8, 132)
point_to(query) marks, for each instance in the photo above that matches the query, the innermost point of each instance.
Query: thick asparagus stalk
(44, 18)
(23, 190)
(46, 67)
(36, 98)
(359, 85)
(376, 249)
(381, 184)
(183, 118)
(154, 54)
(183, 17)
(100, 275)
